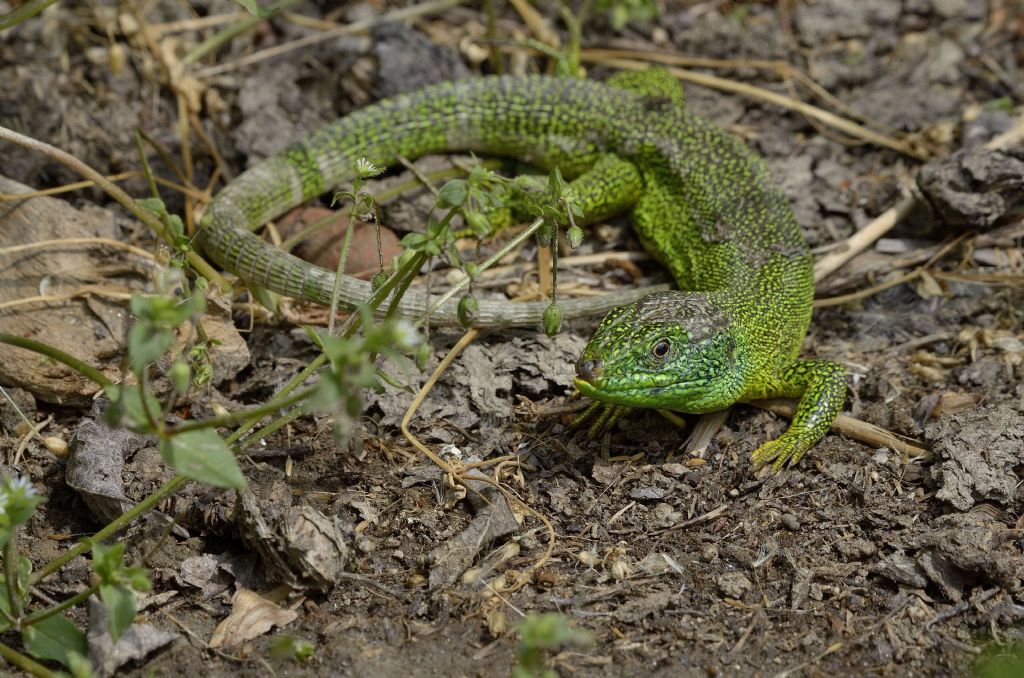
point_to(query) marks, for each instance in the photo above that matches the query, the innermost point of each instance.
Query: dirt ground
(860, 561)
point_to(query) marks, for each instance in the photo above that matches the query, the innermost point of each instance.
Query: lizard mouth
(597, 389)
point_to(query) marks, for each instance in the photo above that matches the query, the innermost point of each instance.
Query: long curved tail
(543, 120)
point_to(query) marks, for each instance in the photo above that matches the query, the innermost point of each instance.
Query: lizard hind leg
(656, 83)
(821, 387)
(611, 186)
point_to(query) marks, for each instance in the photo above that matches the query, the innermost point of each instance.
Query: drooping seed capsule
(378, 280)
(574, 236)
(468, 307)
(552, 319)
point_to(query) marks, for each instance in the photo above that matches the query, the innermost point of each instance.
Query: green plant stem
(400, 289)
(115, 192)
(292, 384)
(574, 26)
(24, 663)
(487, 263)
(231, 32)
(346, 244)
(361, 26)
(497, 59)
(165, 156)
(11, 574)
(408, 269)
(147, 171)
(381, 198)
(273, 426)
(156, 425)
(40, 615)
(23, 13)
(109, 529)
(6, 616)
(60, 356)
(232, 418)
(328, 221)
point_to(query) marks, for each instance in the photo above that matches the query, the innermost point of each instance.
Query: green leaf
(288, 647)
(253, 7)
(556, 184)
(108, 561)
(108, 564)
(6, 605)
(168, 312)
(54, 638)
(79, 665)
(177, 229)
(154, 205)
(413, 240)
(453, 194)
(126, 408)
(202, 455)
(24, 571)
(146, 343)
(120, 604)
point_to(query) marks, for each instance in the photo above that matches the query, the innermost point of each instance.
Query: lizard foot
(786, 448)
(606, 416)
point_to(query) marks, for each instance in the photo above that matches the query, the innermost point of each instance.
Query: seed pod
(378, 279)
(468, 307)
(552, 319)
(180, 375)
(545, 234)
(575, 236)
(423, 354)
(478, 222)
(58, 446)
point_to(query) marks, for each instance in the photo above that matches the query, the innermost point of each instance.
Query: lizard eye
(661, 348)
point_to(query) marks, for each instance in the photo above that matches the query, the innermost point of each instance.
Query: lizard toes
(785, 448)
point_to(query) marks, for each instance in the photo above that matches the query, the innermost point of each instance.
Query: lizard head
(670, 350)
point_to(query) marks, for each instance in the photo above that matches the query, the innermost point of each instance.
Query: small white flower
(365, 168)
(405, 335)
(24, 483)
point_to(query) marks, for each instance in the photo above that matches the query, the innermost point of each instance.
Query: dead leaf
(136, 643)
(251, 616)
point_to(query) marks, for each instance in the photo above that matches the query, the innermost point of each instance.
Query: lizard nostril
(588, 370)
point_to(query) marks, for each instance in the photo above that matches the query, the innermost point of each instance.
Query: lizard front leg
(821, 387)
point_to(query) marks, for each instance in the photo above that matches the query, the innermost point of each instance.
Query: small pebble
(791, 522)
(734, 585)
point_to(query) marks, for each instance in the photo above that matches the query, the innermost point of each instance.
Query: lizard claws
(786, 448)
(606, 416)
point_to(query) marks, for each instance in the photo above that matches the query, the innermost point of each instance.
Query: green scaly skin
(700, 202)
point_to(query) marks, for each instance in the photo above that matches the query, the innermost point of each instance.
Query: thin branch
(86, 370)
(113, 190)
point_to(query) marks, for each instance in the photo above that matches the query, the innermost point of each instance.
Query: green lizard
(701, 202)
